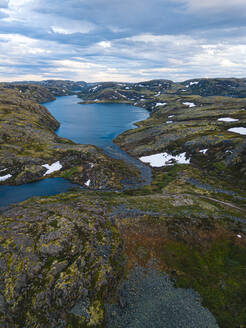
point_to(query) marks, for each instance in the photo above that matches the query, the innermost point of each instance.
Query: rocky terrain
(63, 257)
(35, 93)
(168, 253)
(185, 121)
(146, 93)
(55, 87)
(58, 258)
(29, 146)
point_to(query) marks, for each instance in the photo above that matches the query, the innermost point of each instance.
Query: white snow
(157, 95)
(5, 177)
(121, 95)
(52, 168)
(228, 119)
(127, 88)
(189, 104)
(203, 151)
(168, 122)
(160, 104)
(239, 130)
(142, 99)
(192, 83)
(91, 165)
(239, 236)
(170, 116)
(164, 159)
(87, 183)
(3, 170)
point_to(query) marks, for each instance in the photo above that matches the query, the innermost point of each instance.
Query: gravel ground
(148, 299)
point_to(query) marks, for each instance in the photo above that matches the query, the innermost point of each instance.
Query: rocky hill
(35, 93)
(56, 87)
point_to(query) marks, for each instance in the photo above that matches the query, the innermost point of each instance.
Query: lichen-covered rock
(57, 262)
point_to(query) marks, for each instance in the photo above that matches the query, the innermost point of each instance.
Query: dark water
(46, 187)
(96, 124)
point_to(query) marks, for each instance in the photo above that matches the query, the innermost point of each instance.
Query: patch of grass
(216, 272)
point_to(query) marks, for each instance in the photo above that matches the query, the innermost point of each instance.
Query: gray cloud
(121, 40)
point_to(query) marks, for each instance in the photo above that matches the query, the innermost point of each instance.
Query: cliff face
(28, 142)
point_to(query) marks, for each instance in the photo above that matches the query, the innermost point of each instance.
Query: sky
(122, 40)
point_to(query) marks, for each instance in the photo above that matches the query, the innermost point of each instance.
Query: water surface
(46, 187)
(96, 124)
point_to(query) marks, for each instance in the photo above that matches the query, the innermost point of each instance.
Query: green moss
(216, 272)
(70, 172)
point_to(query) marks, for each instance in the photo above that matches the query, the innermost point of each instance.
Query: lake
(96, 124)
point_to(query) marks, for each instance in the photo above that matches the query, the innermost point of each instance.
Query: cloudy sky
(122, 40)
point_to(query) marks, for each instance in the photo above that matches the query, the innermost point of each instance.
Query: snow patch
(239, 130)
(228, 119)
(189, 104)
(165, 159)
(193, 83)
(170, 116)
(5, 177)
(52, 168)
(203, 151)
(3, 170)
(160, 104)
(91, 165)
(239, 236)
(87, 183)
(168, 122)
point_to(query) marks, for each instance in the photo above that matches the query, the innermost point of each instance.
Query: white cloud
(215, 5)
(105, 44)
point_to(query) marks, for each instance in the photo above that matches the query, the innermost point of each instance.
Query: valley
(77, 259)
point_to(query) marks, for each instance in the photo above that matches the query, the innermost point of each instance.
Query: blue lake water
(46, 187)
(96, 124)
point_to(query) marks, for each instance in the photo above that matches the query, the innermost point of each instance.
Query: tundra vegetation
(64, 258)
